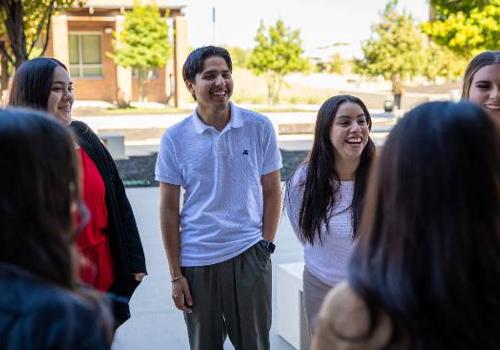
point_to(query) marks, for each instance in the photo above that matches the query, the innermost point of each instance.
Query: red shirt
(93, 242)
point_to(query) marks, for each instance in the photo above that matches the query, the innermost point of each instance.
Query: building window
(85, 55)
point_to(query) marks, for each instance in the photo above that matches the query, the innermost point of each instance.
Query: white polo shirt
(221, 174)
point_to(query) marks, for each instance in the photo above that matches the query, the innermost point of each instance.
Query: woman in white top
(324, 196)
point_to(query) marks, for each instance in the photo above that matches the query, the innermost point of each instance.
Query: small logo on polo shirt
(245, 152)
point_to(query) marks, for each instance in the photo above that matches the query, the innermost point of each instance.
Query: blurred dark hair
(39, 184)
(481, 60)
(196, 59)
(322, 183)
(429, 243)
(32, 83)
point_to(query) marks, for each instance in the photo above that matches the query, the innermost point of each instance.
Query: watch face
(270, 247)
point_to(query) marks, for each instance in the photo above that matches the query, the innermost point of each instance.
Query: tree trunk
(4, 68)
(274, 82)
(279, 81)
(13, 13)
(14, 25)
(143, 79)
(269, 83)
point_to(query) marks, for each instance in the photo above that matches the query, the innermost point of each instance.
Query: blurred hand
(181, 295)
(139, 276)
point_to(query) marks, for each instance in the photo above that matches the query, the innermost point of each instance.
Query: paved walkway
(156, 324)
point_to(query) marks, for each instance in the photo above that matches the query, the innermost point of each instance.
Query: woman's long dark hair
(38, 185)
(32, 83)
(322, 182)
(428, 250)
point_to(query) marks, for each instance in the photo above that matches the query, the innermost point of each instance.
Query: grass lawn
(252, 89)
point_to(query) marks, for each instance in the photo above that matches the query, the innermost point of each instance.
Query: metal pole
(213, 25)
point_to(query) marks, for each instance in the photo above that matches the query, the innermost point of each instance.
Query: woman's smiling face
(349, 132)
(485, 90)
(61, 96)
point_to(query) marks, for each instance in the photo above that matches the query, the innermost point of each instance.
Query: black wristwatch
(270, 246)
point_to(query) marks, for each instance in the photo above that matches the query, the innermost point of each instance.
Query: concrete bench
(292, 323)
(115, 143)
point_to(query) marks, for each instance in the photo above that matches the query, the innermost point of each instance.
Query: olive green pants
(231, 298)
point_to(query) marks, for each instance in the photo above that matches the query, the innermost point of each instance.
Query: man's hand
(181, 295)
(139, 276)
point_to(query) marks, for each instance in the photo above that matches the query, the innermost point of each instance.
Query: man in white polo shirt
(219, 246)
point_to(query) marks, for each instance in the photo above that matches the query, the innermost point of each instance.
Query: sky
(322, 23)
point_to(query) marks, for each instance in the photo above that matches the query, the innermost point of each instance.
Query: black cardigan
(125, 243)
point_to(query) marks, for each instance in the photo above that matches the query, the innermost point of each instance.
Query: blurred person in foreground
(481, 83)
(425, 272)
(41, 306)
(110, 242)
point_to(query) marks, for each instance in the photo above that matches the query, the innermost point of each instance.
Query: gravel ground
(138, 171)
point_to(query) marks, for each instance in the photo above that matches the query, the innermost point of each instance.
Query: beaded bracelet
(176, 278)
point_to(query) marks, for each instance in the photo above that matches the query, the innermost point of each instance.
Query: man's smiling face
(213, 86)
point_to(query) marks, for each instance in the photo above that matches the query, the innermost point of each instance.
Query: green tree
(239, 56)
(443, 7)
(442, 62)
(26, 24)
(278, 52)
(395, 50)
(143, 43)
(466, 27)
(337, 64)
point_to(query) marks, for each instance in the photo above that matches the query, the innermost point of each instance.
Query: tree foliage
(442, 62)
(446, 7)
(143, 43)
(278, 52)
(26, 24)
(466, 27)
(239, 56)
(396, 48)
(338, 64)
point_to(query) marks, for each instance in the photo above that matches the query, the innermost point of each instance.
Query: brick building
(81, 37)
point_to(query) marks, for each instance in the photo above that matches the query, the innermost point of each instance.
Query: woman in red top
(93, 243)
(110, 243)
